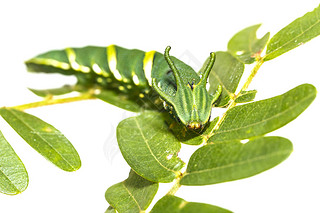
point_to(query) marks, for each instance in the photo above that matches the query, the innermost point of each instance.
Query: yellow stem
(51, 101)
(251, 76)
(176, 185)
(232, 102)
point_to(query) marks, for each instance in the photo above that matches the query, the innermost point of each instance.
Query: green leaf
(295, 34)
(258, 118)
(246, 46)
(246, 96)
(110, 209)
(54, 92)
(173, 204)
(190, 137)
(228, 161)
(227, 71)
(120, 100)
(13, 175)
(149, 148)
(44, 138)
(132, 195)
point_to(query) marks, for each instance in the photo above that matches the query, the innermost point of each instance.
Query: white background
(193, 29)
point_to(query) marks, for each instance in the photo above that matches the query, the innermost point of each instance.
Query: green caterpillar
(141, 74)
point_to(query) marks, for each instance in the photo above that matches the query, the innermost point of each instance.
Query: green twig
(232, 102)
(52, 101)
(251, 76)
(176, 185)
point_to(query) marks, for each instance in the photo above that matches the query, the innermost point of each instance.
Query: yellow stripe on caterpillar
(50, 62)
(147, 65)
(99, 71)
(112, 61)
(72, 60)
(135, 78)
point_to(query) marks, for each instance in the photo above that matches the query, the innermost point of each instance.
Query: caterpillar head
(191, 103)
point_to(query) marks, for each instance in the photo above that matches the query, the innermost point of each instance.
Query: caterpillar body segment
(143, 76)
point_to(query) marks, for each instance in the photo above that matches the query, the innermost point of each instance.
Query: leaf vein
(131, 195)
(151, 152)
(264, 120)
(262, 157)
(9, 180)
(296, 37)
(39, 135)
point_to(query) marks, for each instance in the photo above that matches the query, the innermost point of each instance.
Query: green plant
(223, 137)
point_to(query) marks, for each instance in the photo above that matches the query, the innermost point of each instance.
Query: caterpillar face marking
(148, 76)
(192, 103)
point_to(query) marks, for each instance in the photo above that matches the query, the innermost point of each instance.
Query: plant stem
(232, 102)
(174, 188)
(251, 76)
(176, 185)
(51, 101)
